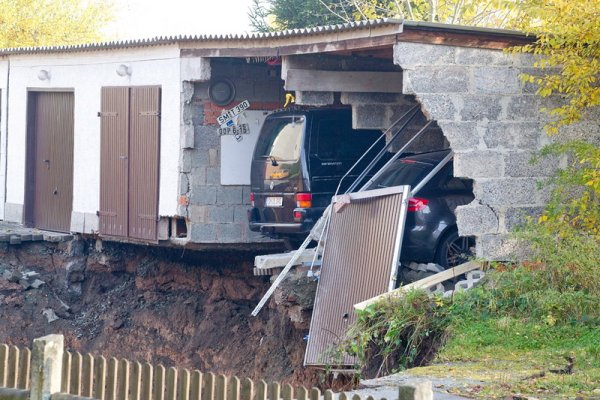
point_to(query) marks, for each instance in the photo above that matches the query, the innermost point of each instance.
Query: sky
(136, 19)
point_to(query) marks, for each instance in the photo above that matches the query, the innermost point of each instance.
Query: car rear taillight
(303, 200)
(252, 199)
(417, 204)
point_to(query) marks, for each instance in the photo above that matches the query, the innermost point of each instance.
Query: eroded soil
(159, 305)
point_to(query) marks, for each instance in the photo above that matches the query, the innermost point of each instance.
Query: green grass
(520, 324)
(509, 354)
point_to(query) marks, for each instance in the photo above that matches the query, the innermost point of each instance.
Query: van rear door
(276, 173)
(334, 148)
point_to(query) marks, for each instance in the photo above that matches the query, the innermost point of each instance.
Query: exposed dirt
(158, 305)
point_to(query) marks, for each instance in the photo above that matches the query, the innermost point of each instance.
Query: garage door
(49, 196)
(129, 170)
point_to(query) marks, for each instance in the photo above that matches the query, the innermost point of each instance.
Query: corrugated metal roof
(167, 40)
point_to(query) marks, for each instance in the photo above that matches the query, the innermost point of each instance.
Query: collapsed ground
(167, 306)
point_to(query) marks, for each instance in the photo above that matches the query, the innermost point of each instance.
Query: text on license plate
(274, 201)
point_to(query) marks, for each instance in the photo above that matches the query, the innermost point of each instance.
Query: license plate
(274, 201)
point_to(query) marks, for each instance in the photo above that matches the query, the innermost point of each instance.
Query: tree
(568, 35)
(269, 15)
(25, 23)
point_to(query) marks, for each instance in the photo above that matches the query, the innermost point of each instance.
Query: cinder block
(230, 233)
(375, 98)
(206, 137)
(514, 135)
(220, 214)
(213, 157)
(479, 107)
(476, 219)
(507, 191)
(524, 107)
(410, 55)
(200, 158)
(461, 135)
(439, 107)
(496, 80)
(240, 214)
(185, 160)
(479, 164)
(198, 214)
(203, 233)
(187, 92)
(501, 247)
(471, 56)
(203, 195)
(197, 176)
(416, 391)
(186, 140)
(520, 164)
(518, 216)
(184, 184)
(372, 116)
(229, 195)
(437, 80)
(213, 176)
(314, 98)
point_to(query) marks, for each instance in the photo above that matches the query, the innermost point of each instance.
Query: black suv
(298, 161)
(430, 233)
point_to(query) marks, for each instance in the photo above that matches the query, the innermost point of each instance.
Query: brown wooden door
(114, 164)
(144, 154)
(129, 171)
(49, 194)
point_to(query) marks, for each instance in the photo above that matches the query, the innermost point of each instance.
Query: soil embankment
(184, 309)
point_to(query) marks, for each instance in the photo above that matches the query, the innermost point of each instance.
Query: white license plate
(274, 201)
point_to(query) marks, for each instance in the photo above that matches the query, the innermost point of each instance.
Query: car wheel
(454, 250)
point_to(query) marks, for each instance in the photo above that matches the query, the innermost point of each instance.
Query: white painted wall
(3, 119)
(85, 73)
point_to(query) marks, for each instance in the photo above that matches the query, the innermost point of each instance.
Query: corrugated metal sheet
(166, 40)
(144, 155)
(359, 262)
(114, 161)
(50, 160)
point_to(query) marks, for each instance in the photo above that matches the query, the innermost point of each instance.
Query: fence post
(46, 366)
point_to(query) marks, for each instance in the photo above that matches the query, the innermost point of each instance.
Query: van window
(281, 138)
(336, 140)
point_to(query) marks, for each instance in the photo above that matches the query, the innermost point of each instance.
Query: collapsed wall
(494, 123)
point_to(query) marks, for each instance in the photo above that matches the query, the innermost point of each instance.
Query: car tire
(454, 250)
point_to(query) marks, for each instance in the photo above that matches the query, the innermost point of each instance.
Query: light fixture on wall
(124, 70)
(44, 75)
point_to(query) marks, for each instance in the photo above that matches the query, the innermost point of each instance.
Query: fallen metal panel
(359, 262)
(50, 160)
(144, 154)
(114, 161)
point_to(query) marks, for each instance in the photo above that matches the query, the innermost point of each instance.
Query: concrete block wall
(217, 213)
(493, 123)
(380, 111)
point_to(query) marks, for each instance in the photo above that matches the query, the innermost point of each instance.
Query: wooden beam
(343, 81)
(283, 47)
(478, 40)
(424, 283)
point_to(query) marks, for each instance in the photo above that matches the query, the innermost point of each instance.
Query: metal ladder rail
(414, 110)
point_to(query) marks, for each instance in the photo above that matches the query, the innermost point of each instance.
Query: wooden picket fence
(85, 375)
(14, 367)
